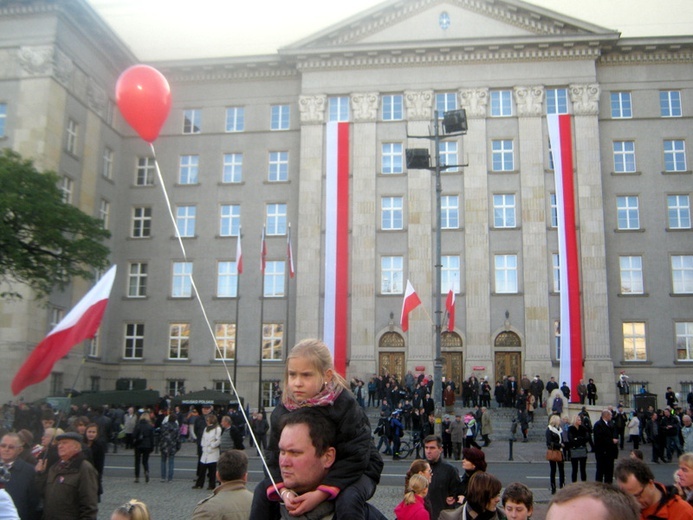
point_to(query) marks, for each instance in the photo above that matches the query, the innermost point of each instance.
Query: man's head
(69, 445)
(606, 415)
(306, 449)
(226, 422)
(10, 447)
(232, 465)
(593, 500)
(635, 477)
(47, 419)
(433, 448)
(518, 501)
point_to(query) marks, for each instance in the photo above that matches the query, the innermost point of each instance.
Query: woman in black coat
(143, 438)
(578, 439)
(95, 452)
(554, 441)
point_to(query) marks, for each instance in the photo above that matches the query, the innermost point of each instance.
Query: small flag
(411, 302)
(263, 252)
(81, 323)
(239, 253)
(450, 306)
(290, 254)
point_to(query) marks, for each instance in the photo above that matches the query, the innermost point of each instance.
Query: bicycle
(410, 446)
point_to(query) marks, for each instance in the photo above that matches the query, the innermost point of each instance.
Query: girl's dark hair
(482, 488)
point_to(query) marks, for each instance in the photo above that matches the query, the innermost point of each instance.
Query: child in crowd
(518, 501)
(412, 507)
(133, 510)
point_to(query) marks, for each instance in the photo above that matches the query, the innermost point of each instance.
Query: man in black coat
(442, 492)
(21, 485)
(605, 447)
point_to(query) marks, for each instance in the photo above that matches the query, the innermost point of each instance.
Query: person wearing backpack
(383, 430)
(397, 431)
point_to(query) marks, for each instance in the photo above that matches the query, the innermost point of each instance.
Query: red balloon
(144, 99)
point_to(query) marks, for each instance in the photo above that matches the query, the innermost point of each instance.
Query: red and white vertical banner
(336, 307)
(560, 136)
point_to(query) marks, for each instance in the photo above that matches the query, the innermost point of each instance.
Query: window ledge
(502, 172)
(518, 293)
(139, 186)
(174, 237)
(626, 174)
(682, 172)
(632, 295)
(268, 182)
(184, 298)
(221, 183)
(509, 228)
(636, 363)
(176, 361)
(683, 362)
(134, 298)
(140, 238)
(133, 360)
(225, 298)
(639, 230)
(186, 185)
(678, 295)
(677, 230)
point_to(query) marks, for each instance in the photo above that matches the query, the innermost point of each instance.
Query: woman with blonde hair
(578, 439)
(133, 510)
(413, 507)
(211, 439)
(554, 447)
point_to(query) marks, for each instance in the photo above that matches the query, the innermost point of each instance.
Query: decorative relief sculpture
(529, 101)
(63, 67)
(474, 101)
(419, 104)
(585, 99)
(364, 106)
(312, 108)
(96, 97)
(36, 60)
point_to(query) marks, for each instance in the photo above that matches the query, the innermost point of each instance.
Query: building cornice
(648, 51)
(247, 71)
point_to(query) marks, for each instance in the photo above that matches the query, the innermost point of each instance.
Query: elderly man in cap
(70, 488)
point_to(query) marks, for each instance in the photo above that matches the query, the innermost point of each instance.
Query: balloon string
(208, 323)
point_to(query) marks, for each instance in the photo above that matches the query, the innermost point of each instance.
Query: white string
(208, 323)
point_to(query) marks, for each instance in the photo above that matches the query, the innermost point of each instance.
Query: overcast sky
(181, 29)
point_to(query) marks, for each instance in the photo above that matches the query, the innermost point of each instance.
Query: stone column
(477, 260)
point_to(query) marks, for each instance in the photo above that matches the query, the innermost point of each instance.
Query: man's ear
(329, 457)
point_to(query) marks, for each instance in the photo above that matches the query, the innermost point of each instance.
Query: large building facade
(244, 148)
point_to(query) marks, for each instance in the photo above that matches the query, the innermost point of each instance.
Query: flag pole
(238, 306)
(263, 252)
(288, 286)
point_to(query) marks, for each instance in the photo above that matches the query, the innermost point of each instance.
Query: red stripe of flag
(342, 267)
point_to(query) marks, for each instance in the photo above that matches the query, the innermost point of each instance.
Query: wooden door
(392, 363)
(508, 364)
(453, 369)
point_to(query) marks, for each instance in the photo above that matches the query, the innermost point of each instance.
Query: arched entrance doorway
(391, 355)
(451, 352)
(507, 355)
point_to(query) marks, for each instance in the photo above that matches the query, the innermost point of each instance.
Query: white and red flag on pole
(336, 306)
(81, 323)
(263, 252)
(290, 254)
(450, 307)
(560, 136)
(411, 302)
(239, 253)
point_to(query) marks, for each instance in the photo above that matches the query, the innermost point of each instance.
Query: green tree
(44, 242)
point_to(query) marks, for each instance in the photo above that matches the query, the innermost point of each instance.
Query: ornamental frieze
(419, 104)
(474, 101)
(529, 101)
(364, 107)
(312, 108)
(585, 99)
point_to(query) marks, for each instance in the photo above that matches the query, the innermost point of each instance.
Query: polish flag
(290, 254)
(263, 252)
(239, 254)
(450, 306)
(81, 323)
(411, 302)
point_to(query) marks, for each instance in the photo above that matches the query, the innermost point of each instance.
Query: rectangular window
(67, 187)
(338, 108)
(556, 101)
(445, 101)
(634, 342)
(448, 155)
(104, 212)
(392, 107)
(272, 341)
(504, 211)
(450, 274)
(56, 316)
(274, 279)
(279, 117)
(57, 385)
(506, 274)
(276, 219)
(682, 274)
(502, 158)
(133, 341)
(278, 167)
(72, 132)
(188, 171)
(449, 212)
(392, 213)
(225, 335)
(107, 163)
(628, 212)
(554, 210)
(178, 340)
(95, 382)
(144, 174)
(137, 280)
(624, 156)
(670, 103)
(392, 275)
(175, 386)
(94, 344)
(557, 338)
(141, 222)
(674, 155)
(501, 103)
(631, 275)
(3, 119)
(192, 118)
(185, 220)
(229, 220)
(621, 107)
(391, 158)
(233, 168)
(684, 341)
(235, 119)
(181, 281)
(223, 386)
(556, 271)
(227, 280)
(679, 211)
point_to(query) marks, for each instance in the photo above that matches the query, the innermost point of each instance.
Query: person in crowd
(473, 461)
(687, 433)
(382, 430)
(670, 428)
(95, 451)
(685, 476)
(413, 507)
(445, 480)
(397, 431)
(133, 510)
(536, 388)
(471, 432)
(517, 501)
(129, 423)
(198, 423)
(21, 476)
(578, 440)
(446, 436)
(143, 439)
(593, 500)
(636, 454)
(499, 394)
(582, 391)
(655, 436)
(486, 425)
(620, 421)
(27, 443)
(554, 441)
(565, 390)
(634, 430)
(457, 428)
(169, 445)
(211, 439)
(605, 447)
(310, 381)
(635, 478)
(226, 442)
(483, 497)
(8, 511)
(670, 397)
(423, 468)
(230, 500)
(48, 449)
(70, 487)
(260, 429)
(591, 392)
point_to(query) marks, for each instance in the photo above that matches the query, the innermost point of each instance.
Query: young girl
(133, 510)
(412, 507)
(96, 451)
(310, 380)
